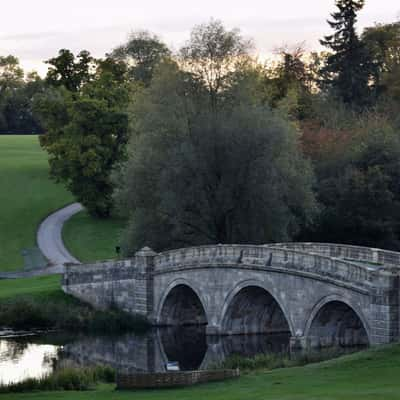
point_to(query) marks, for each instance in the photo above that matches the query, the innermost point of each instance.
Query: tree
(70, 71)
(383, 44)
(196, 177)
(11, 78)
(212, 54)
(141, 53)
(348, 68)
(358, 175)
(290, 83)
(86, 137)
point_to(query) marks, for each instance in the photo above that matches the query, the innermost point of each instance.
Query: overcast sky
(35, 30)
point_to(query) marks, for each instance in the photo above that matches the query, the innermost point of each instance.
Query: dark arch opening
(182, 307)
(337, 324)
(253, 310)
(187, 345)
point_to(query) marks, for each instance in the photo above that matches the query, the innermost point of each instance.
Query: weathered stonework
(253, 289)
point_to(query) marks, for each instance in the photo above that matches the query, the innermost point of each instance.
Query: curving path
(49, 237)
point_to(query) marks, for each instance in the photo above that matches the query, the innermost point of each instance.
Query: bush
(62, 312)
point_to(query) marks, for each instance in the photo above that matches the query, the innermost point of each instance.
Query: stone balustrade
(267, 257)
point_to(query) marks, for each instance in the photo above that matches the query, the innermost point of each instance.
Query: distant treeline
(17, 92)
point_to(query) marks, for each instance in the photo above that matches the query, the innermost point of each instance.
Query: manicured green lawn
(373, 374)
(91, 239)
(39, 286)
(27, 195)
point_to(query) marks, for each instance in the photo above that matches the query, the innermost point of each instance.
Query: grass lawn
(36, 287)
(372, 374)
(27, 195)
(90, 239)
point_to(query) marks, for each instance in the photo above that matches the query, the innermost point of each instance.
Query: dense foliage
(86, 134)
(347, 68)
(141, 54)
(55, 310)
(208, 145)
(200, 175)
(16, 98)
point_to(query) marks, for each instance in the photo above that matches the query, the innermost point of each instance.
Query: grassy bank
(64, 379)
(36, 287)
(372, 374)
(27, 195)
(96, 239)
(39, 303)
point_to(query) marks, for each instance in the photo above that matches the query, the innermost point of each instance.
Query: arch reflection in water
(188, 345)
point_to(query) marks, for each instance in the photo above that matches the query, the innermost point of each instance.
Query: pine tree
(347, 69)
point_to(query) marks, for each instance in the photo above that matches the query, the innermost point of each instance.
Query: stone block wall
(125, 284)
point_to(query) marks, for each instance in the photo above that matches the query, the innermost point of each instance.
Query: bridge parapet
(378, 257)
(268, 258)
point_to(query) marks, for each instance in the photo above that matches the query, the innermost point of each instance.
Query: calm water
(34, 356)
(23, 356)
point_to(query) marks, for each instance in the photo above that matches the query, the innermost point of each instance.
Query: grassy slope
(91, 239)
(36, 287)
(369, 375)
(27, 195)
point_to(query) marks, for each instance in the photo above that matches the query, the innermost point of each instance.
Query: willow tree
(196, 177)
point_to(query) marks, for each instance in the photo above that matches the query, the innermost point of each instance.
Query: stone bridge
(320, 294)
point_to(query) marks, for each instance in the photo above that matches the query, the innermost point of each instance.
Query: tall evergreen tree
(347, 69)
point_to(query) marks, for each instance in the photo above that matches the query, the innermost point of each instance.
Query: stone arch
(253, 307)
(181, 305)
(334, 321)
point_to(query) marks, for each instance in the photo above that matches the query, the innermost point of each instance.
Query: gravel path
(49, 236)
(49, 240)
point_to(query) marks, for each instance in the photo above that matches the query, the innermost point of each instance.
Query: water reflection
(20, 359)
(39, 355)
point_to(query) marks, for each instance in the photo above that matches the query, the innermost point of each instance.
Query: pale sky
(35, 30)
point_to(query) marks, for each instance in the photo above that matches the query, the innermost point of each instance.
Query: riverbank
(39, 303)
(371, 374)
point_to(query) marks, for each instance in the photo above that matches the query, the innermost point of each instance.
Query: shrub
(66, 313)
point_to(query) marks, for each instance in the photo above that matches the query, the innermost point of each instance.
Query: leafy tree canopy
(195, 176)
(70, 71)
(86, 136)
(141, 53)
